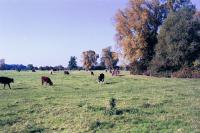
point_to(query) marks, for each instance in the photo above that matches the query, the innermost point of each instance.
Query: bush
(111, 107)
(137, 68)
(166, 74)
(187, 73)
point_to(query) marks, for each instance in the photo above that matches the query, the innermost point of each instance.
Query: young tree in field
(89, 59)
(109, 58)
(72, 65)
(178, 41)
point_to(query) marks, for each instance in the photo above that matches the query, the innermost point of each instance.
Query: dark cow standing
(46, 80)
(101, 78)
(6, 81)
(92, 73)
(66, 72)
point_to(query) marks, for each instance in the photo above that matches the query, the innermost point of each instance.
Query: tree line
(159, 36)
(108, 60)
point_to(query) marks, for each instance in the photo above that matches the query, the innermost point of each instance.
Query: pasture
(76, 103)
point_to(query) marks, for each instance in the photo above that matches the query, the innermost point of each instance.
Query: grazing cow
(101, 78)
(6, 81)
(46, 80)
(66, 72)
(33, 70)
(92, 73)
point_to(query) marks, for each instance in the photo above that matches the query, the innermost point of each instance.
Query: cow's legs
(9, 86)
(4, 86)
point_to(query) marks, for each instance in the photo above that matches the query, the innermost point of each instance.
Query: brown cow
(46, 80)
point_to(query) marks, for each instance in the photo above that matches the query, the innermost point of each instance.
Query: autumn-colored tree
(89, 59)
(109, 58)
(137, 27)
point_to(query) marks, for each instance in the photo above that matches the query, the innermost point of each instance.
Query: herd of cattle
(47, 81)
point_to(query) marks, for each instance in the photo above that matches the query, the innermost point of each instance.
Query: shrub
(111, 107)
(187, 73)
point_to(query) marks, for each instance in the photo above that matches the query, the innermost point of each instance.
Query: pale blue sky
(48, 32)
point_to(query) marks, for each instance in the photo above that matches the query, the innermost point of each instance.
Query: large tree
(137, 27)
(109, 58)
(89, 59)
(178, 41)
(72, 64)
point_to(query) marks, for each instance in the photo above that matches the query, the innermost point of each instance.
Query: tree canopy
(89, 59)
(72, 64)
(178, 40)
(138, 26)
(109, 58)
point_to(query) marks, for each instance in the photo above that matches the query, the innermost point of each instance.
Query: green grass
(77, 103)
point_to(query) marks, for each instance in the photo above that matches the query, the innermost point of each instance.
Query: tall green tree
(178, 41)
(72, 64)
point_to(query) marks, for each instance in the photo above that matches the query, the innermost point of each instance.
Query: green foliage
(30, 67)
(178, 41)
(72, 65)
(138, 28)
(112, 103)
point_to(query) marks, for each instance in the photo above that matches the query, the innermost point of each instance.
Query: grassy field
(76, 103)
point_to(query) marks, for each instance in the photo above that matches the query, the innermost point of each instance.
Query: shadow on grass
(98, 125)
(19, 88)
(96, 109)
(33, 128)
(109, 83)
(121, 75)
(116, 111)
(9, 121)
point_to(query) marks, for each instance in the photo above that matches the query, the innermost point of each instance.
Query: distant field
(77, 104)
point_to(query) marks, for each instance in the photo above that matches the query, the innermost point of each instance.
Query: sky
(48, 32)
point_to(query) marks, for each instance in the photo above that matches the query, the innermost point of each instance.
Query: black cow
(66, 72)
(92, 73)
(46, 80)
(6, 81)
(101, 78)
